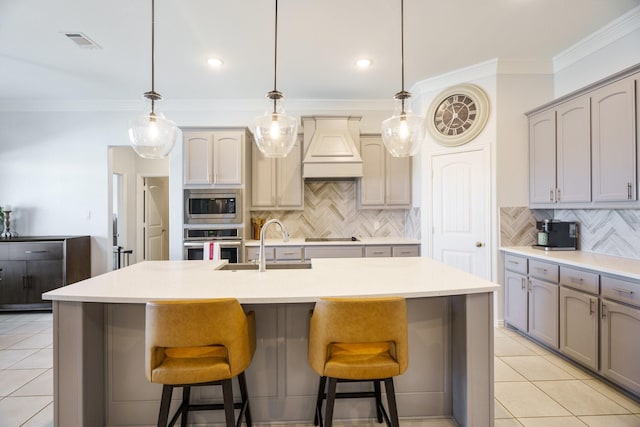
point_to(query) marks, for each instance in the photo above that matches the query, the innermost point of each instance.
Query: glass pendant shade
(275, 132)
(152, 136)
(403, 132)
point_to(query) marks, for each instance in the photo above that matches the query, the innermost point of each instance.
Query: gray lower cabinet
(31, 267)
(336, 251)
(619, 331)
(579, 326)
(543, 311)
(515, 300)
(531, 298)
(591, 317)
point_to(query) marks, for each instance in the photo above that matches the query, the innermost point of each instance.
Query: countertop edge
(607, 264)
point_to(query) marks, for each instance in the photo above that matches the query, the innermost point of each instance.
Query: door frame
(488, 226)
(140, 177)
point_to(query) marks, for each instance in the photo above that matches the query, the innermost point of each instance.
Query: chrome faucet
(285, 237)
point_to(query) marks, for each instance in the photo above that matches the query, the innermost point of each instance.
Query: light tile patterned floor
(533, 387)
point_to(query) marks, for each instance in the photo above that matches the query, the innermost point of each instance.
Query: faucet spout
(285, 237)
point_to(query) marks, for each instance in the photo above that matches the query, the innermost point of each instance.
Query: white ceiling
(319, 41)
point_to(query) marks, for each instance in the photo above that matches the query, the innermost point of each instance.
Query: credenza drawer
(35, 251)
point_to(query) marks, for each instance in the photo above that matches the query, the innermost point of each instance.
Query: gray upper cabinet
(560, 154)
(277, 183)
(542, 158)
(573, 151)
(213, 157)
(386, 180)
(613, 124)
(583, 147)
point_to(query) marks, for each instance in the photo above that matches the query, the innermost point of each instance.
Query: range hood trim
(331, 151)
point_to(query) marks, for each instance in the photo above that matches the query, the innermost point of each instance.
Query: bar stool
(199, 343)
(358, 339)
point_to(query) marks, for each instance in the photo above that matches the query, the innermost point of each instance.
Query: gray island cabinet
(99, 339)
(31, 266)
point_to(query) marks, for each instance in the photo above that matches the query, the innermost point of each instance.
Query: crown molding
(461, 75)
(606, 35)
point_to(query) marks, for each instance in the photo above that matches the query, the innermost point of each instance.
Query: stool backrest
(358, 320)
(199, 323)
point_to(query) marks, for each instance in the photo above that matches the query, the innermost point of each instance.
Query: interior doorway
(461, 210)
(155, 224)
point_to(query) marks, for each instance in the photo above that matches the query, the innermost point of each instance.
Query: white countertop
(627, 267)
(360, 241)
(153, 280)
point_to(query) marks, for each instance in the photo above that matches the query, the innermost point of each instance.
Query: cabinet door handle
(623, 291)
(551, 195)
(529, 287)
(604, 310)
(523, 283)
(629, 188)
(591, 307)
(557, 194)
(25, 282)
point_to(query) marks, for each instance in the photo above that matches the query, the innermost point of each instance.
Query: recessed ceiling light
(363, 63)
(215, 62)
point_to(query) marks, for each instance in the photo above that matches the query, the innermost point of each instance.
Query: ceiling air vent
(82, 40)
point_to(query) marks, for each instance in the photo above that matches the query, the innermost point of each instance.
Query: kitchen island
(99, 338)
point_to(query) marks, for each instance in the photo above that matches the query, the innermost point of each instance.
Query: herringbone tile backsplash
(330, 210)
(605, 231)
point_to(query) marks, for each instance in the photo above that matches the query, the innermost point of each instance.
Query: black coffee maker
(554, 235)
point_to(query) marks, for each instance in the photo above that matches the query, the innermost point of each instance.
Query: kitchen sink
(270, 266)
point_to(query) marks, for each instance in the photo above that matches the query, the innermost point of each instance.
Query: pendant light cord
(153, 95)
(275, 59)
(402, 40)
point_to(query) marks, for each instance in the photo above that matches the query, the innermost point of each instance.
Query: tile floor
(533, 387)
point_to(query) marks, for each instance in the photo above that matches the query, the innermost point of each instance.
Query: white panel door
(461, 210)
(156, 208)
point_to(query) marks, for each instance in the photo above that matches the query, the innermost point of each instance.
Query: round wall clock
(458, 114)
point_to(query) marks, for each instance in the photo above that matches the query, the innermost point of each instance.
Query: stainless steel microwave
(213, 206)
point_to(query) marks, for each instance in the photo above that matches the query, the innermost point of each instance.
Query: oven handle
(220, 242)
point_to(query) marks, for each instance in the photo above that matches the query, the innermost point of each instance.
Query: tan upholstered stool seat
(361, 361)
(358, 339)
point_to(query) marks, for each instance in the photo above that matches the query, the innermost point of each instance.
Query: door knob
(479, 244)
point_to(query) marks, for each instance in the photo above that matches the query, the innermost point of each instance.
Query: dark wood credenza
(30, 266)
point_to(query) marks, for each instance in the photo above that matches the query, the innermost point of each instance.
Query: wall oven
(213, 206)
(228, 242)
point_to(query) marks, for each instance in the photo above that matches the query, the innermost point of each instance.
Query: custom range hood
(331, 147)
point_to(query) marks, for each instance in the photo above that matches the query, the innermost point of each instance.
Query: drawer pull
(289, 253)
(575, 279)
(623, 291)
(35, 252)
(381, 252)
(544, 270)
(513, 262)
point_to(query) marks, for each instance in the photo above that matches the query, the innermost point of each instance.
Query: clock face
(458, 114)
(455, 115)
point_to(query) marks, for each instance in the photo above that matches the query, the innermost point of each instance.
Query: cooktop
(331, 239)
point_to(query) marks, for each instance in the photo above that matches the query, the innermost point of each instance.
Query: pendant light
(403, 132)
(152, 136)
(275, 132)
